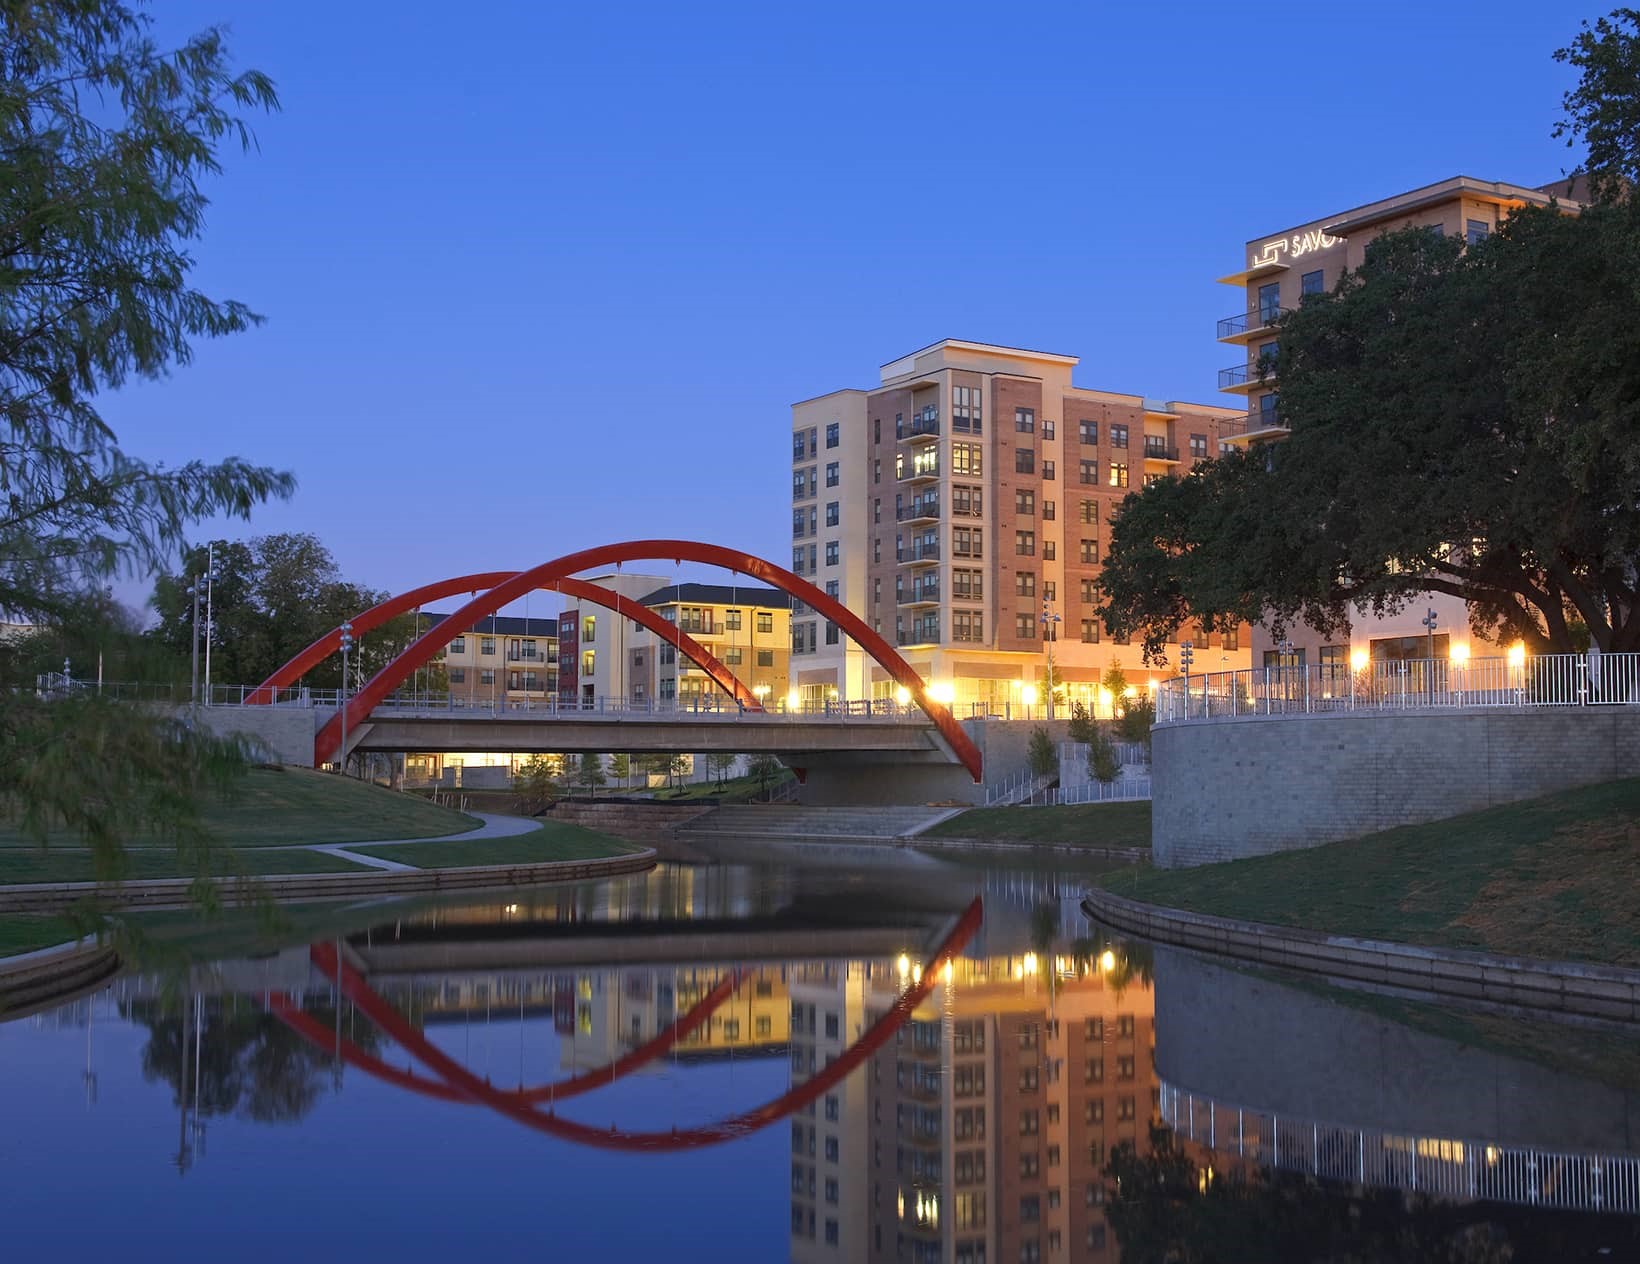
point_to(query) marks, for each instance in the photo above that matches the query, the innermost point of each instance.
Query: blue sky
(539, 276)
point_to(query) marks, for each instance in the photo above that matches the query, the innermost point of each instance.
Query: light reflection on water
(551, 1071)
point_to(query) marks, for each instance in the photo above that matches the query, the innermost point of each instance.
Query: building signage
(1294, 247)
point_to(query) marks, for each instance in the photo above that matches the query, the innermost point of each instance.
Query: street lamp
(1050, 634)
(1430, 621)
(1187, 655)
(347, 644)
(210, 627)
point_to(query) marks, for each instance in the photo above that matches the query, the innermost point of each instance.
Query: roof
(505, 625)
(719, 595)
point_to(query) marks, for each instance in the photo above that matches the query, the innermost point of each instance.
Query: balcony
(919, 594)
(1242, 378)
(919, 472)
(922, 427)
(919, 510)
(918, 555)
(1245, 326)
(525, 656)
(1260, 423)
(1163, 452)
(701, 627)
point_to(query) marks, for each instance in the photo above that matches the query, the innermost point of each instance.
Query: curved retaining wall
(1591, 991)
(1229, 788)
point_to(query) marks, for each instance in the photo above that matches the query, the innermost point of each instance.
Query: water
(680, 1066)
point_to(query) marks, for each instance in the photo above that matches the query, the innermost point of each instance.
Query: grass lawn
(30, 864)
(553, 841)
(734, 790)
(24, 932)
(271, 807)
(1552, 877)
(1084, 824)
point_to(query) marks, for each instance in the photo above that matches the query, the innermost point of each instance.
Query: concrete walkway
(495, 826)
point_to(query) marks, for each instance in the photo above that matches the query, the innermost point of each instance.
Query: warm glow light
(832, 694)
(943, 692)
(946, 972)
(1460, 653)
(903, 965)
(916, 974)
(1107, 961)
(1517, 654)
(1132, 691)
(762, 692)
(1153, 682)
(902, 695)
(1030, 963)
(1028, 695)
(794, 700)
(1359, 660)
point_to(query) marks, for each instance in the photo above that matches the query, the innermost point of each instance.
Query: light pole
(1187, 655)
(1050, 634)
(210, 582)
(193, 686)
(347, 644)
(1429, 621)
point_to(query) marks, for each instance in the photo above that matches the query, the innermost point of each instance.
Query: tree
(1040, 755)
(1082, 727)
(718, 767)
(1603, 111)
(1103, 765)
(103, 141)
(1116, 685)
(766, 769)
(1463, 420)
(589, 773)
(536, 783)
(620, 768)
(1136, 721)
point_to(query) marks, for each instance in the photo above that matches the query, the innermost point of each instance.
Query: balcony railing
(1160, 452)
(700, 627)
(918, 553)
(1255, 421)
(913, 472)
(1249, 374)
(918, 594)
(917, 509)
(1244, 323)
(525, 656)
(917, 427)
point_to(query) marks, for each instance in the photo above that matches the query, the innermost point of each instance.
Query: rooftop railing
(1249, 322)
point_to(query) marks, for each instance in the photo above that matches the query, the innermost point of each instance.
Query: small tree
(589, 775)
(620, 768)
(1134, 726)
(1116, 683)
(1040, 755)
(536, 784)
(1102, 762)
(1082, 726)
(718, 767)
(766, 768)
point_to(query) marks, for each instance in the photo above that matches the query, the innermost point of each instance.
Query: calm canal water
(915, 1062)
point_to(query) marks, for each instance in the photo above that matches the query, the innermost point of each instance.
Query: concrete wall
(286, 731)
(1226, 789)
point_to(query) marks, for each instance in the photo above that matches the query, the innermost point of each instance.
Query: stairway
(879, 824)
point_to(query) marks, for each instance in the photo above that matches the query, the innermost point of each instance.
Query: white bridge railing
(715, 707)
(1540, 680)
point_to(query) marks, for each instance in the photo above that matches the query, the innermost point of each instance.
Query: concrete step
(801, 822)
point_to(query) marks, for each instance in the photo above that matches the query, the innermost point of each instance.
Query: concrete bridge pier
(863, 779)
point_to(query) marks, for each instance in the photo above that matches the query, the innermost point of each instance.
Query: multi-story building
(960, 508)
(1281, 269)
(748, 628)
(593, 641)
(504, 658)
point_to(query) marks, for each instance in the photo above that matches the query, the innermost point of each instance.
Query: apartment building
(960, 508)
(593, 641)
(504, 658)
(1281, 269)
(747, 627)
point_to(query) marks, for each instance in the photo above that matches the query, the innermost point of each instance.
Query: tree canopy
(1464, 419)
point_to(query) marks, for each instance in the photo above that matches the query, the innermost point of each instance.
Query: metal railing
(1249, 322)
(1012, 789)
(918, 553)
(918, 426)
(916, 470)
(917, 509)
(1122, 790)
(1252, 372)
(1442, 1167)
(1538, 680)
(706, 707)
(1160, 451)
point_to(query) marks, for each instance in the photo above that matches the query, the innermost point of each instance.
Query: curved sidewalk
(494, 825)
(1565, 987)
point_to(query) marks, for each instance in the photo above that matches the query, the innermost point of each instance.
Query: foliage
(1102, 762)
(620, 768)
(670, 765)
(1116, 684)
(103, 141)
(766, 769)
(273, 596)
(1463, 420)
(589, 773)
(1040, 755)
(1082, 728)
(1135, 721)
(1603, 111)
(536, 783)
(719, 766)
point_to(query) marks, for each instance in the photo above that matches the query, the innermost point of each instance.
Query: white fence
(1541, 680)
(1442, 1167)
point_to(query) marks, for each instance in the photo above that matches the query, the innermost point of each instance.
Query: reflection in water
(899, 1078)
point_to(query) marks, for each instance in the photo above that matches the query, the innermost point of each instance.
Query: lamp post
(1187, 656)
(210, 627)
(1284, 665)
(347, 644)
(193, 684)
(1430, 621)
(1050, 634)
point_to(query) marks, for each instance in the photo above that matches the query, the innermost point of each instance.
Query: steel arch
(363, 622)
(358, 708)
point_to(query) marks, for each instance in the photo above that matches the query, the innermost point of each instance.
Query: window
(1118, 474)
(1030, 1164)
(731, 620)
(877, 549)
(1118, 435)
(1093, 1111)
(799, 447)
(1024, 461)
(1090, 631)
(1089, 550)
(831, 1225)
(966, 502)
(967, 459)
(876, 429)
(1088, 432)
(831, 474)
(831, 633)
(1435, 230)
(831, 513)
(1311, 283)
(486, 645)
(831, 588)
(488, 677)
(831, 1149)
(1030, 1079)
(1124, 1067)
(876, 513)
(1124, 1027)
(1053, 1161)
(968, 585)
(1025, 627)
(831, 552)
(765, 621)
(799, 519)
(1125, 1110)
(1198, 446)
(877, 470)
(967, 542)
(1048, 473)
(1269, 302)
(1090, 592)
(459, 645)
(1049, 550)
(1025, 584)
(1024, 543)
(831, 434)
(1093, 1071)
(733, 656)
(966, 409)
(1030, 1123)
(1088, 472)
(967, 625)
(1232, 638)
(1047, 428)
(1476, 230)
(1047, 511)
(458, 675)
(1025, 503)
(1024, 421)
(1050, 590)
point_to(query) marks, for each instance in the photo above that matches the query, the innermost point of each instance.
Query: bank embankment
(1115, 830)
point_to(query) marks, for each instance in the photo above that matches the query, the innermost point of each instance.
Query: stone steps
(787, 821)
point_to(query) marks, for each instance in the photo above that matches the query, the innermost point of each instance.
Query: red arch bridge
(880, 751)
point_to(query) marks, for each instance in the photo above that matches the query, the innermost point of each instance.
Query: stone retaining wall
(636, 822)
(1229, 788)
(48, 897)
(1592, 991)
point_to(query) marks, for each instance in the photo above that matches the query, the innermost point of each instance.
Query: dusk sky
(540, 276)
